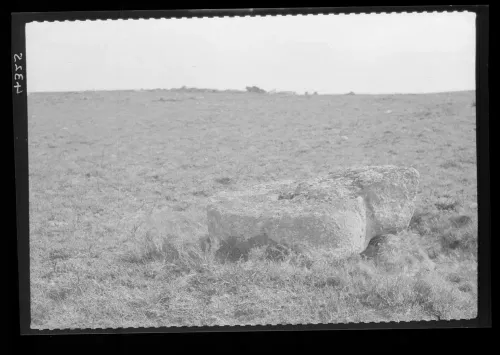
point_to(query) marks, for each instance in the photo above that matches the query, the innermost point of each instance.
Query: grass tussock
(224, 180)
(446, 233)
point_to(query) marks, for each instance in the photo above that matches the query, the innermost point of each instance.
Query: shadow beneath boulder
(233, 249)
(374, 246)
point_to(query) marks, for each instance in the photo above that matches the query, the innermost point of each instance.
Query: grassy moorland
(119, 182)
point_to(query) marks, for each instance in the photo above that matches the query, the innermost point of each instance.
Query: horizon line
(311, 93)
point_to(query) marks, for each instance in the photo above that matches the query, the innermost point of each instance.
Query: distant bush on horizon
(255, 89)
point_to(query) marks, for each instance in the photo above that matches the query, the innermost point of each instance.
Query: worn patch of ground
(119, 182)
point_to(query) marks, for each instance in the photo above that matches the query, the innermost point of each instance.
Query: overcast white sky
(386, 53)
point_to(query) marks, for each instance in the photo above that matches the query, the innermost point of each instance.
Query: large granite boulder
(341, 211)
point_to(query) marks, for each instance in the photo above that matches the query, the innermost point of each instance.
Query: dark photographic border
(20, 139)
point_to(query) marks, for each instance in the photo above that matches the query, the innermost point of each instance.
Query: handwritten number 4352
(17, 76)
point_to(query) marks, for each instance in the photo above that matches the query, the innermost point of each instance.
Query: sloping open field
(119, 182)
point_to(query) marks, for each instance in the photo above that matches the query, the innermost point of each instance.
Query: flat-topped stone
(341, 211)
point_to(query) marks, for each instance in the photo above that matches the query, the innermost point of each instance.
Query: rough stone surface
(341, 211)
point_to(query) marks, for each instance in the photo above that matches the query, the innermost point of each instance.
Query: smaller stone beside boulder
(400, 253)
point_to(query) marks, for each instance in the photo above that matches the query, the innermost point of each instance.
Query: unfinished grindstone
(340, 211)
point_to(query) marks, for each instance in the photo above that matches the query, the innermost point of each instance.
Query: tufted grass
(119, 182)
